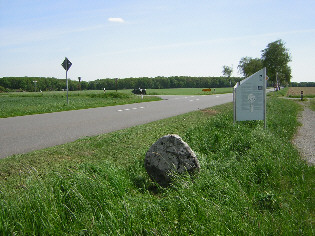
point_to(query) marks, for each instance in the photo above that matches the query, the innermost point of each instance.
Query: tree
(227, 71)
(276, 58)
(248, 66)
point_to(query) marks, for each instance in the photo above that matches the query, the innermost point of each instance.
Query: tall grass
(252, 181)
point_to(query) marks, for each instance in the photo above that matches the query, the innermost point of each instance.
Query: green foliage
(227, 71)
(252, 181)
(164, 82)
(53, 84)
(248, 66)
(302, 84)
(2, 89)
(27, 84)
(276, 58)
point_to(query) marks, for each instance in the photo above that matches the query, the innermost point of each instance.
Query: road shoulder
(304, 139)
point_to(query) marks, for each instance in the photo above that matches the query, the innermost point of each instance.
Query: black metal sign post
(79, 78)
(66, 64)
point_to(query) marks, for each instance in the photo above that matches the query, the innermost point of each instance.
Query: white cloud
(118, 20)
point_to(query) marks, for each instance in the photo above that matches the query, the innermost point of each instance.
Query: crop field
(308, 92)
(252, 181)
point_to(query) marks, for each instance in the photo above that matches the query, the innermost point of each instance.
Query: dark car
(139, 91)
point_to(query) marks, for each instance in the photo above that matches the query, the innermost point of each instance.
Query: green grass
(19, 104)
(188, 91)
(280, 93)
(312, 104)
(252, 181)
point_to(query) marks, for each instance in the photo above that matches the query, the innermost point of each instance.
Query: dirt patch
(209, 112)
(296, 91)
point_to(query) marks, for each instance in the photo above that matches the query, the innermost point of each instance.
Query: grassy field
(252, 181)
(27, 103)
(188, 91)
(182, 91)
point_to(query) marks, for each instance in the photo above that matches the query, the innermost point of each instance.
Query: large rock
(170, 154)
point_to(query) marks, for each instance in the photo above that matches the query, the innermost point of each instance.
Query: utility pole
(79, 78)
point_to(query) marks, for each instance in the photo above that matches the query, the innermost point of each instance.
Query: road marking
(191, 100)
(128, 109)
(217, 96)
(197, 99)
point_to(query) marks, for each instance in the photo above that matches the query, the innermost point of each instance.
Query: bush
(2, 89)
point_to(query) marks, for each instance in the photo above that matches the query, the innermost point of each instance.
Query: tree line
(54, 84)
(38, 84)
(302, 84)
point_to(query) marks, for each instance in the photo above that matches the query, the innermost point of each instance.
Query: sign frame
(249, 97)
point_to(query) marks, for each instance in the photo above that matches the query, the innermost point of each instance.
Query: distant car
(139, 91)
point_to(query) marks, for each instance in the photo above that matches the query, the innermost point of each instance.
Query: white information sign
(250, 97)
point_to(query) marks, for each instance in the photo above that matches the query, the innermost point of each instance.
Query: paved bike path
(33, 132)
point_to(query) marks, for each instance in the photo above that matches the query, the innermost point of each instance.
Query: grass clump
(252, 181)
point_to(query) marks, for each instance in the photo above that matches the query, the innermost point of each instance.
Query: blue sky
(135, 38)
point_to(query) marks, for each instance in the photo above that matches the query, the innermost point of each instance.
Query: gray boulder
(168, 155)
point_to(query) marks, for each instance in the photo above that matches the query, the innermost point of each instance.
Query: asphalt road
(27, 133)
